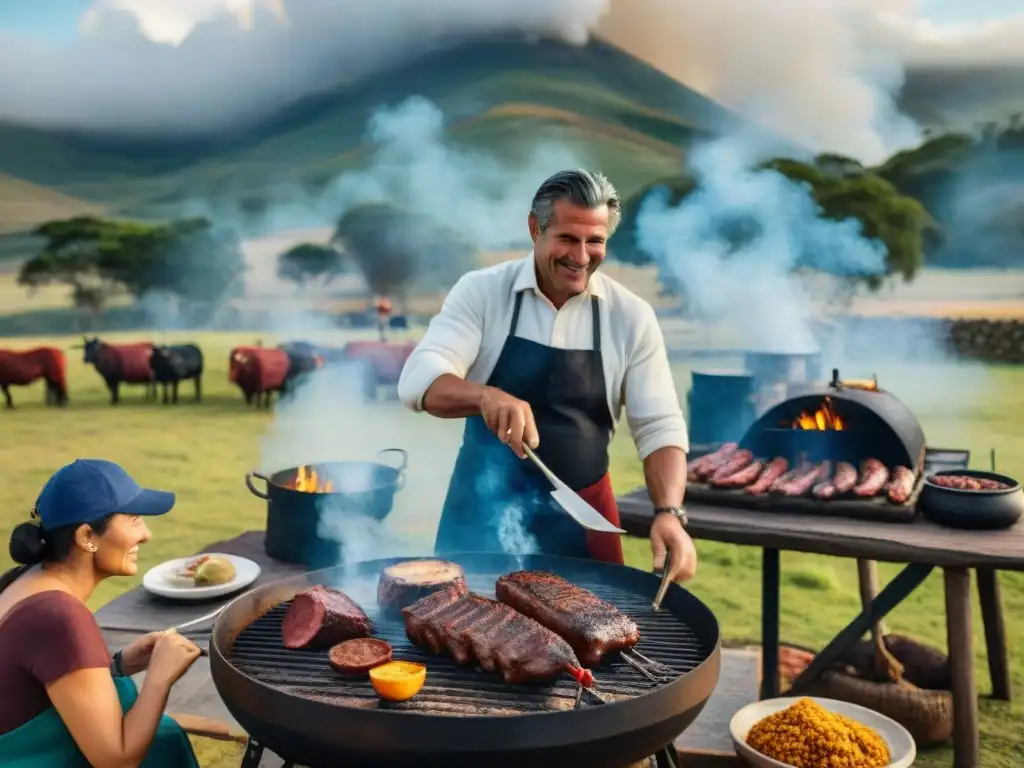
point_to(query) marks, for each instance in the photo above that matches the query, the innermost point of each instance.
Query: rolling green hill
(962, 98)
(503, 94)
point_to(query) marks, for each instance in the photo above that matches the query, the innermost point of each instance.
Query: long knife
(571, 502)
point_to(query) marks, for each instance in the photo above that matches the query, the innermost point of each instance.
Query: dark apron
(498, 502)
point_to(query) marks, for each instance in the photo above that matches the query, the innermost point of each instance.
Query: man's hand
(667, 534)
(510, 419)
(136, 655)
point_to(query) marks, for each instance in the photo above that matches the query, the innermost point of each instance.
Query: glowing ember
(825, 418)
(307, 481)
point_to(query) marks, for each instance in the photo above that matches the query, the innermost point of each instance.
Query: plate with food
(201, 577)
(814, 732)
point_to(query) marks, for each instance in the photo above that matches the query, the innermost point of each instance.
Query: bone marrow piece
(357, 657)
(591, 626)
(321, 616)
(402, 584)
(476, 630)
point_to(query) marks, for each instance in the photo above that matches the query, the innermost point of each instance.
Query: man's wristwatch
(677, 512)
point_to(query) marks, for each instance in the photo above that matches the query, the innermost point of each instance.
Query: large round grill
(292, 703)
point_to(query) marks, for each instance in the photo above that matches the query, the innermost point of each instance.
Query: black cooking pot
(296, 520)
(972, 510)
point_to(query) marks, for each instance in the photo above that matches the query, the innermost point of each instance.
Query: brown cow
(258, 372)
(24, 367)
(121, 364)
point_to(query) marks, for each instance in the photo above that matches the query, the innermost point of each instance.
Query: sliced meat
(968, 483)
(402, 584)
(357, 657)
(775, 469)
(900, 486)
(873, 477)
(845, 478)
(802, 483)
(320, 616)
(733, 464)
(592, 626)
(743, 477)
(497, 637)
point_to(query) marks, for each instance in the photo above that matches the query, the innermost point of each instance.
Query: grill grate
(453, 690)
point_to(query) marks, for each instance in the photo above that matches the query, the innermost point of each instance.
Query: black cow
(303, 358)
(174, 364)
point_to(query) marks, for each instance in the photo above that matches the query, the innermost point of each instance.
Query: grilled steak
(873, 477)
(697, 468)
(735, 463)
(743, 477)
(475, 629)
(320, 616)
(846, 477)
(592, 626)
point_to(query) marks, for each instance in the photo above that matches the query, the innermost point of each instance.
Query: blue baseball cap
(87, 489)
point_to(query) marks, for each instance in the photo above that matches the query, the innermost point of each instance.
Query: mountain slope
(603, 99)
(961, 98)
(23, 205)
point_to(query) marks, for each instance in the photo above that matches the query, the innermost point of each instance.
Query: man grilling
(545, 352)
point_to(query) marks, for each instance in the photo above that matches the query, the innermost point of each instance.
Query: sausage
(845, 478)
(775, 469)
(824, 491)
(744, 477)
(901, 485)
(715, 461)
(359, 656)
(873, 477)
(732, 465)
(801, 484)
(789, 477)
(700, 468)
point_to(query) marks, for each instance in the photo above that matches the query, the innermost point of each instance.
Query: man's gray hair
(585, 189)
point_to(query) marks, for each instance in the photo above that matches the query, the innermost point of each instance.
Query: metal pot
(972, 510)
(295, 519)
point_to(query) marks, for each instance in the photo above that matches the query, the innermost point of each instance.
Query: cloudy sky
(823, 71)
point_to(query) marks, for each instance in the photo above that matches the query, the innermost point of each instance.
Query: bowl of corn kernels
(813, 732)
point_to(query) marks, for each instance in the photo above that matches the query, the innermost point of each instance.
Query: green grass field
(202, 451)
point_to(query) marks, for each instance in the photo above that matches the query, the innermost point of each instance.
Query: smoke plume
(823, 73)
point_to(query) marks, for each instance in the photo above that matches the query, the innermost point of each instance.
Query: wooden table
(706, 744)
(923, 546)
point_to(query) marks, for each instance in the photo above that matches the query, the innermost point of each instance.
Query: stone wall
(996, 341)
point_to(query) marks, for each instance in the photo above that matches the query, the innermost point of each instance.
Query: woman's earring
(92, 547)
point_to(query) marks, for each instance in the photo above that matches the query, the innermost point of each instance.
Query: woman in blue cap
(65, 701)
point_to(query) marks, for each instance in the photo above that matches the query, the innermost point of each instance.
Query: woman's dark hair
(31, 543)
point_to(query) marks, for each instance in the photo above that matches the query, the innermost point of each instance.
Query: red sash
(605, 547)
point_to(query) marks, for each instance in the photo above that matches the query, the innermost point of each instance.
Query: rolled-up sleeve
(450, 345)
(652, 403)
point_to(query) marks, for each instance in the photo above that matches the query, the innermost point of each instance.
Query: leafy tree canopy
(306, 262)
(100, 258)
(396, 249)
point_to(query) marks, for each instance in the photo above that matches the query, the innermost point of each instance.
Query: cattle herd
(257, 371)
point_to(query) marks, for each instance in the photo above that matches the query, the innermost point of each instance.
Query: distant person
(65, 702)
(545, 351)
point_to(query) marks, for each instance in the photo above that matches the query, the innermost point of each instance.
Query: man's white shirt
(467, 336)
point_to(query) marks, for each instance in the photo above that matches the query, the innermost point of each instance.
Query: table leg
(895, 592)
(966, 742)
(770, 588)
(995, 633)
(253, 755)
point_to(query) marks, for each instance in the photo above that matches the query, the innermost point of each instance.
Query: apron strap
(515, 313)
(596, 309)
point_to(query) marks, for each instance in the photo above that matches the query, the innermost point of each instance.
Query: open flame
(825, 418)
(308, 481)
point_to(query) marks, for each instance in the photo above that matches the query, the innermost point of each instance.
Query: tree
(97, 258)
(396, 249)
(309, 261)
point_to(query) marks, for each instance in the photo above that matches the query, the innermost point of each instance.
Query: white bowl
(902, 748)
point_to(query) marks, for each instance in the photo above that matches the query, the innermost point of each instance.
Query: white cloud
(823, 72)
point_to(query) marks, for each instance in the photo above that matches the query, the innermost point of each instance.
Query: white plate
(160, 581)
(901, 744)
